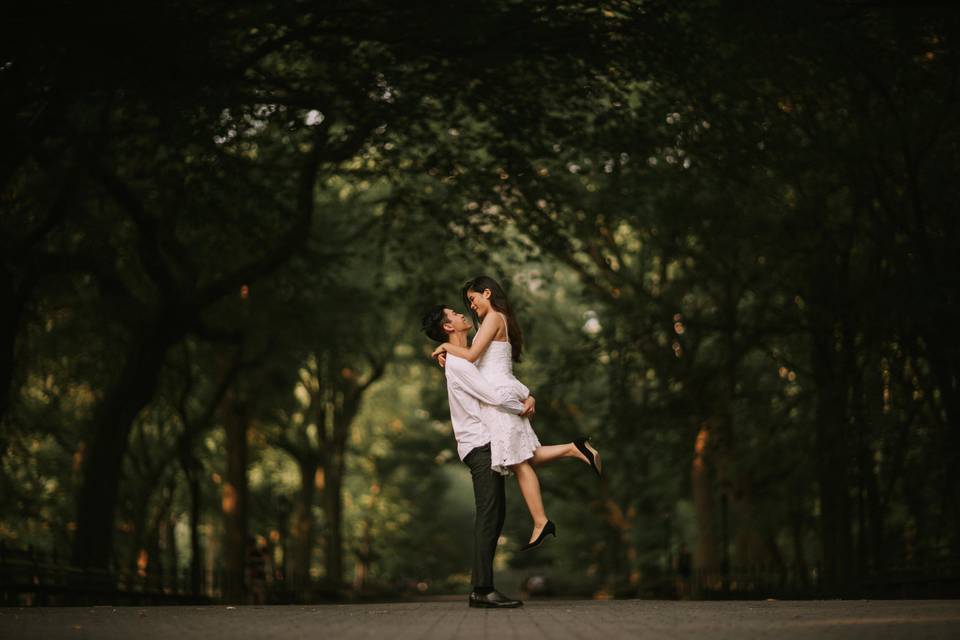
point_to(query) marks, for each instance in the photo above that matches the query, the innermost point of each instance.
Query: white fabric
(466, 390)
(512, 439)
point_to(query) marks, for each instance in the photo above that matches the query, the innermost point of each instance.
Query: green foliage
(729, 236)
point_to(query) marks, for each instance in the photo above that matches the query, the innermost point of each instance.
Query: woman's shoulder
(497, 319)
(506, 325)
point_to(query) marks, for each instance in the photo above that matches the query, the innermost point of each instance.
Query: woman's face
(479, 301)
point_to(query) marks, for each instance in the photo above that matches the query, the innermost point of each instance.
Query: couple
(489, 409)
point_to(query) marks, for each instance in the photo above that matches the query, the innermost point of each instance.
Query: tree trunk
(339, 405)
(196, 559)
(614, 585)
(138, 533)
(863, 456)
(705, 554)
(303, 525)
(734, 486)
(364, 556)
(167, 540)
(155, 569)
(836, 538)
(947, 371)
(234, 498)
(14, 303)
(191, 470)
(333, 512)
(103, 467)
(869, 411)
(798, 531)
(170, 546)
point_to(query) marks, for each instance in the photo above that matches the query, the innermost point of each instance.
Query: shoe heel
(549, 529)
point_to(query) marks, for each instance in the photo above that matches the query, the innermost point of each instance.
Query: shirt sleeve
(521, 390)
(465, 376)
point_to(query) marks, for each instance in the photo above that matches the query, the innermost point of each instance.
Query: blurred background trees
(730, 236)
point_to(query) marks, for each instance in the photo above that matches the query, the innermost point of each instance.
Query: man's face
(456, 322)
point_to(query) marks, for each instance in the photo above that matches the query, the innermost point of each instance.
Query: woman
(514, 446)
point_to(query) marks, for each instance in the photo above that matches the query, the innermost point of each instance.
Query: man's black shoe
(493, 600)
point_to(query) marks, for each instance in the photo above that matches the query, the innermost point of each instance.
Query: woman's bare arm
(488, 330)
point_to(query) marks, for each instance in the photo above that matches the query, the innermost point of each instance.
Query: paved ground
(590, 620)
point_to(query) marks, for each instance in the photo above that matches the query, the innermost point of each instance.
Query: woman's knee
(522, 469)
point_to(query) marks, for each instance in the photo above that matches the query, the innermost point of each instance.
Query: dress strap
(506, 326)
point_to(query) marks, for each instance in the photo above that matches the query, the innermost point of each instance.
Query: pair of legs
(530, 483)
(490, 501)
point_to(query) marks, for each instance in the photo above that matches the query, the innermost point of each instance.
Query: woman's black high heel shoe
(592, 455)
(549, 529)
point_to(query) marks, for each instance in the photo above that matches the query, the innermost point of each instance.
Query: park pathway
(589, 620)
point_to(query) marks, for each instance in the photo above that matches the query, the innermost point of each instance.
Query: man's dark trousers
(488, 492)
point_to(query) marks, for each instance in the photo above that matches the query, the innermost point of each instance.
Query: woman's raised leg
(551, 452)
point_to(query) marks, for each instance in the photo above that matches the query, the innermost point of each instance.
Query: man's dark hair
(432, 323)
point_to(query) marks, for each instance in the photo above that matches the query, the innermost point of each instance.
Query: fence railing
(903, 581)
(29, 576)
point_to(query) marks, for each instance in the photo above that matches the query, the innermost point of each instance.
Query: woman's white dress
(512, 439)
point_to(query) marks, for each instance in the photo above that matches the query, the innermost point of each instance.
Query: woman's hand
(441, 349)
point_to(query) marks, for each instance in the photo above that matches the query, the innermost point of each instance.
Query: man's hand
(529, 407)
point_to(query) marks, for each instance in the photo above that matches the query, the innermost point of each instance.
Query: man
(466, 389)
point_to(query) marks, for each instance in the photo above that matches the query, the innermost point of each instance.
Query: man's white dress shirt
(466, 389)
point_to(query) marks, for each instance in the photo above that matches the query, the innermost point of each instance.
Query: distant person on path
(514, 446)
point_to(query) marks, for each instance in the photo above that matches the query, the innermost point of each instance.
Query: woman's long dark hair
(498, 300)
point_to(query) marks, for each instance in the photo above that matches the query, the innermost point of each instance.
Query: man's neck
(459, 338)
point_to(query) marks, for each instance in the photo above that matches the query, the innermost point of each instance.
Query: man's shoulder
(455, 364)
(457, 361)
